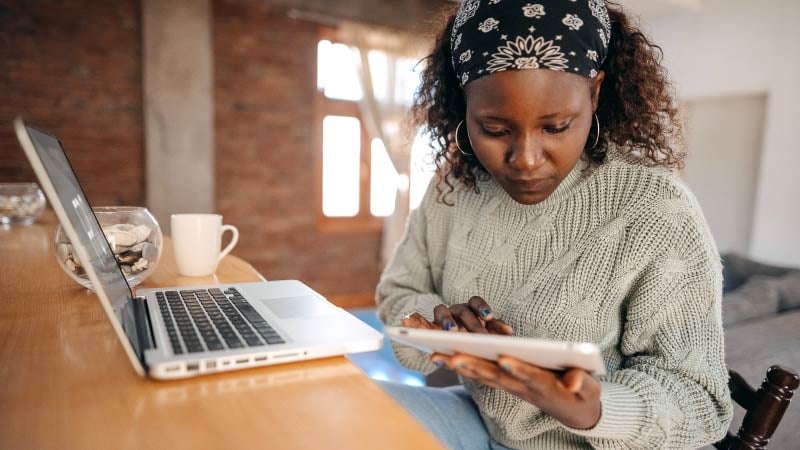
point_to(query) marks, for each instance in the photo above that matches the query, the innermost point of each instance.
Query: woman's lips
(529, 185)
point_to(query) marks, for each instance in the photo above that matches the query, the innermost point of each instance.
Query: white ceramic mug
(197, 239)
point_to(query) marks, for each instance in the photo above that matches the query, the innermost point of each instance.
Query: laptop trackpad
(303, 306)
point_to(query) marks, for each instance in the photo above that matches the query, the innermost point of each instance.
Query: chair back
(765, 408)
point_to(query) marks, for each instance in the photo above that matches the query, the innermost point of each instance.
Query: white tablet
(556, 355)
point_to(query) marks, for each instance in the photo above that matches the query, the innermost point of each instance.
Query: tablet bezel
(549, 354)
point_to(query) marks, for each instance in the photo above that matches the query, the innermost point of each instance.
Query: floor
(381, 364)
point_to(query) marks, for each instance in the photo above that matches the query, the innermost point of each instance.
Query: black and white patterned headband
(494, 35)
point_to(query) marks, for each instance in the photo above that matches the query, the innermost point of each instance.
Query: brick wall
(74, 69)
(264, 86)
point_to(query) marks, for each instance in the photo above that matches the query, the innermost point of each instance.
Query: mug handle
(233, 242)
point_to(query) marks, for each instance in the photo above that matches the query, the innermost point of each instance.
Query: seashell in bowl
(134, 237)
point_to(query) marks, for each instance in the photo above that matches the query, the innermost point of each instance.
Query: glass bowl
(20, 203)
(135, 239)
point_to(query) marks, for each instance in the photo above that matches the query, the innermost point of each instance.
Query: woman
(556, 215)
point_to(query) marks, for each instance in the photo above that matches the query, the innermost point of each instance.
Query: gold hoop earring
(458, 146)
(597, 132)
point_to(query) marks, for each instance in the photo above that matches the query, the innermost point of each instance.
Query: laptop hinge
(144, 327)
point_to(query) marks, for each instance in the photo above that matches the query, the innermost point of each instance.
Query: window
(341, 161)
(421, 170)
(356, 179)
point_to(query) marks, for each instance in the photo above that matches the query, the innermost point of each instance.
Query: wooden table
(66, 383)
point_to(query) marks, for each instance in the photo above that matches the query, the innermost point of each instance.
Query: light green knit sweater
(618, 255)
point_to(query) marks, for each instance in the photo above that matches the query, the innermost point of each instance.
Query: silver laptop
(186, 331)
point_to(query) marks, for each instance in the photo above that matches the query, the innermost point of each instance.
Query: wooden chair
(765, 408)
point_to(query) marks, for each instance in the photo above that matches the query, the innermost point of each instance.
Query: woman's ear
(597, 82)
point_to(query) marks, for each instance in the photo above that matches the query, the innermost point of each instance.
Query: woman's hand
(572, 397)
(475, 316)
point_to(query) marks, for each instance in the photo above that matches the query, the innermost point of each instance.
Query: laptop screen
(79, 212)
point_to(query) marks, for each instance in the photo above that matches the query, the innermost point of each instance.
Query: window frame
(364, 221)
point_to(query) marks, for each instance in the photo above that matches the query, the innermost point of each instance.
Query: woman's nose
(526, 153)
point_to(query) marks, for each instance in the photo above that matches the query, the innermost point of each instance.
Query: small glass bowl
(135, 239)
(20, 203)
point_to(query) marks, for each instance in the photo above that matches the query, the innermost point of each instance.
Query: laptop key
(253, 341)
(189, 333)
(194, 347)
(214, 346)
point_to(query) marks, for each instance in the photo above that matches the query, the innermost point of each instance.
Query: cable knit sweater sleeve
(671, 390)
(407, 285)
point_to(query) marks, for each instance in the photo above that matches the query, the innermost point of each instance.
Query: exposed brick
(73, 69)
(264, 91)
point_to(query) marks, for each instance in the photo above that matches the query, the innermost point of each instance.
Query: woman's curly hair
(635, 107)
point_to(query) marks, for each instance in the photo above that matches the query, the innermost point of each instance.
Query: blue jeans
(448, 413)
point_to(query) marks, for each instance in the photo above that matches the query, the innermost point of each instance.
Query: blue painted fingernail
(448, 325)
(439, 363)
(485, 312)
(507, 368)
(461, 365)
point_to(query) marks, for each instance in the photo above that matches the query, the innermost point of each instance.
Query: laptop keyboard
(212, 320)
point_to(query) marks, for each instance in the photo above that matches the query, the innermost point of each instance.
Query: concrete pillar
(178, 107)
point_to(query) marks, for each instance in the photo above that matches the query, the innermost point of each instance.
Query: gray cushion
(788, 287)
(757, 298)
(737, 269)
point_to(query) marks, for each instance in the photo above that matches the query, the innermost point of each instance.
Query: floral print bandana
(494, 35)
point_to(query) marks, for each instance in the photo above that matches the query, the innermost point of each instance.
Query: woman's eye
(494, 131)
(556, 130)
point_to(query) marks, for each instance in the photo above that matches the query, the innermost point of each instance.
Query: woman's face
(528, 128)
